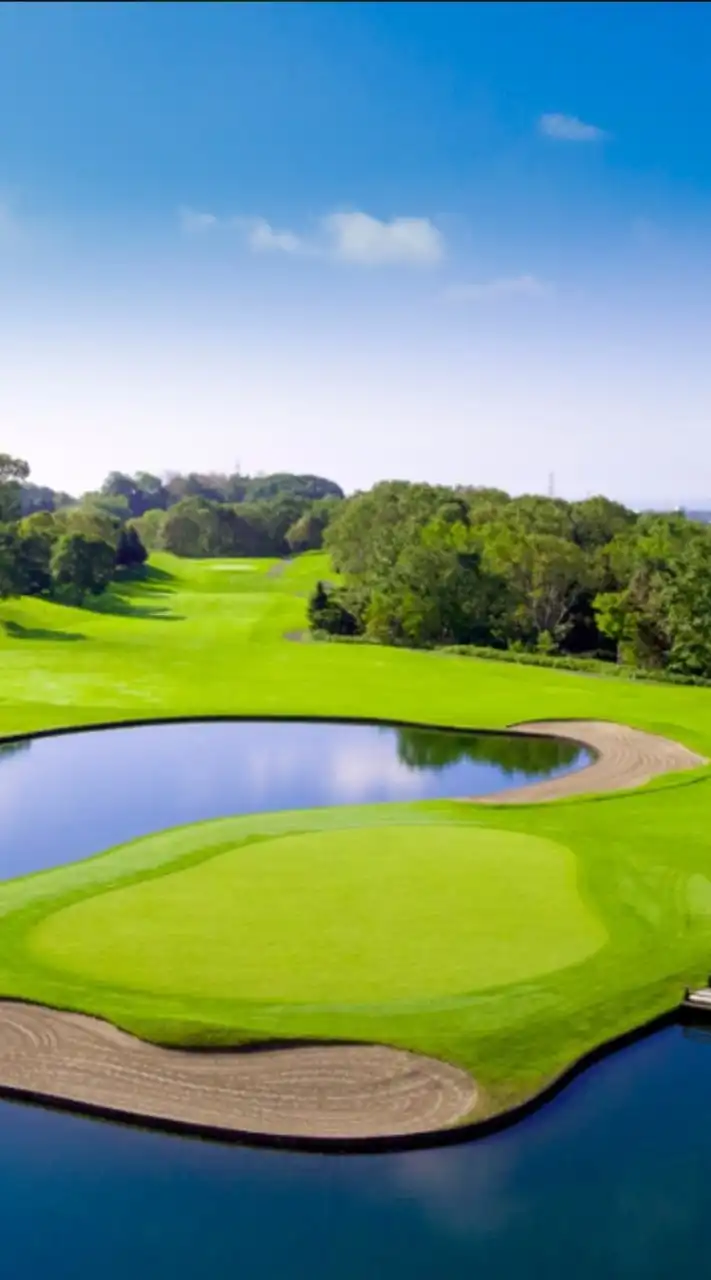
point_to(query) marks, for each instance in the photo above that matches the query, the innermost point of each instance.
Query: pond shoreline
(622, 759)
(335, 1096)
(464, 1131)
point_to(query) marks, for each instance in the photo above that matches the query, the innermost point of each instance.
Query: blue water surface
(67, 797)
(612, 1179)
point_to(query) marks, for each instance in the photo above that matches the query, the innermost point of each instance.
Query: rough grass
(186, 640)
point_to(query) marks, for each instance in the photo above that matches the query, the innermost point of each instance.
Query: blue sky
(455, 242)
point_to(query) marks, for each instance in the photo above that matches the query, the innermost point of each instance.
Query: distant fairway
(357, 916)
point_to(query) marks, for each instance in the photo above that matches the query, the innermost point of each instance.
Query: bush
(326, 613)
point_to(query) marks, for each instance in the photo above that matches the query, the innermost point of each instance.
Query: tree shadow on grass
(147, 575)
(119, 605)
(17, 632)
(124, 596)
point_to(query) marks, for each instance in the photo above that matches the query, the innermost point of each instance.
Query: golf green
(348, 916)
(507, 940)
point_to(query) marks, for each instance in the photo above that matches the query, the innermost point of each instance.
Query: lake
(68, 796)
(608, 1180)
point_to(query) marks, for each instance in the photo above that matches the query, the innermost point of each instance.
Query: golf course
(445, 959)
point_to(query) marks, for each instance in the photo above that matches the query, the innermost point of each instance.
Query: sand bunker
(313, 1092)
(624, 758)
(309, 1091)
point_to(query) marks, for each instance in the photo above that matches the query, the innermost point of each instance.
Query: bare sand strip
(319, 1091)
(624, 758)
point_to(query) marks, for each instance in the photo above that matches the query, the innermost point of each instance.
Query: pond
(72, 795)
(604, 1163)
(609, 1180)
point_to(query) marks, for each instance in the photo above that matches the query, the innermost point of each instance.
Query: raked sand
(308, 1092)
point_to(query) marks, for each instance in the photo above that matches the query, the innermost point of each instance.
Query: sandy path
(316, 1091)
(624, 758)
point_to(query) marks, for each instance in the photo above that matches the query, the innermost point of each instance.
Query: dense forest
(428, 566)
(68, 548)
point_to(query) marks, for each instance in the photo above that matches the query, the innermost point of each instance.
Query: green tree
(115, 505)
(188, 527)
(645, 568)
(544, 573)
(130, 552)
(306, 533)
(13, 471)
(533, 514)
(685, 600)
(12, 576)
(596, 521)
(149, 527)
(149, 495)
(37, 535)
(91, 521)
(39, 497)
(82, 565)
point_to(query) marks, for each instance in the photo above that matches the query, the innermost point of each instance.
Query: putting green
(344, 916)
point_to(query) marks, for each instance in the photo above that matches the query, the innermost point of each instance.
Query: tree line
(429, 566)
(56, 545)
(212, 514)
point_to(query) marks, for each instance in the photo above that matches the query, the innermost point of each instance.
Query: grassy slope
(200, 641)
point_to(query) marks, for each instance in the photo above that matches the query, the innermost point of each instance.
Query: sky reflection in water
(67, 797)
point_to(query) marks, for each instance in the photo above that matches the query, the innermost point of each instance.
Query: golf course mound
(344, 917)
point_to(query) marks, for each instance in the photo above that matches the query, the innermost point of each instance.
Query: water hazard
(610, 1179)
(69, 796)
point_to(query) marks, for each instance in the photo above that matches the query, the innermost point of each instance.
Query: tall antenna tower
(551, 484)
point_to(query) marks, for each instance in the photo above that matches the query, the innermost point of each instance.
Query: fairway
(504, 939)
(378, 915)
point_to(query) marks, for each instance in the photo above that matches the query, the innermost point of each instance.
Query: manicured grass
(192, 640)
(359, 916)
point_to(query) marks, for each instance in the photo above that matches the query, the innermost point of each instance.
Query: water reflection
(611, 1179)
(97, 789)
(422, 749)
(10, 749)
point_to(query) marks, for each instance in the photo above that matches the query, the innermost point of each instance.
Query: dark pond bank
(612, 1179)
(72, 795)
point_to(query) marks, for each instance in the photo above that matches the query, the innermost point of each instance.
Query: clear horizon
(457, 243)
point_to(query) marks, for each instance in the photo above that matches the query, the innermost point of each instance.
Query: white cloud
(357, 237)
(193, 222)
(503, 287)
(569, 129)
(343, 237)
(263, 238)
